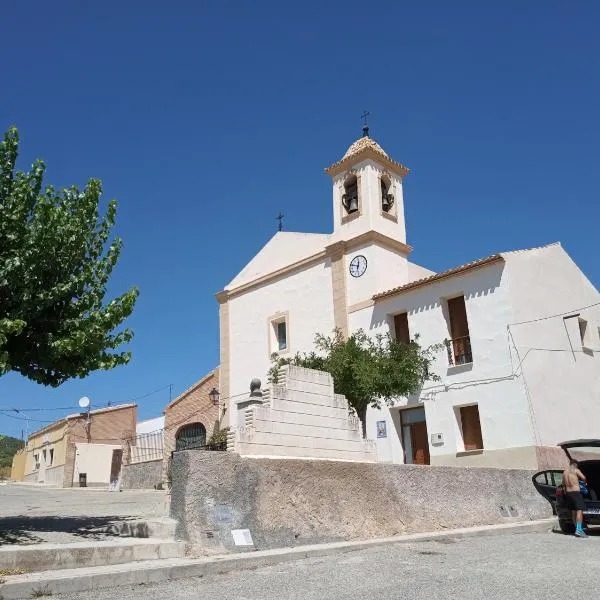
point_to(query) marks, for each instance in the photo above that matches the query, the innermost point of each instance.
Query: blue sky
(205, 119)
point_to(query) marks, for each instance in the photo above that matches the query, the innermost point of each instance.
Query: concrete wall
(301, 418)
(95, 460)
(143, 475)
(295, 502)
(55, 475)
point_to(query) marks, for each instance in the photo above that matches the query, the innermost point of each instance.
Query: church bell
(350, 204)
(387, 202)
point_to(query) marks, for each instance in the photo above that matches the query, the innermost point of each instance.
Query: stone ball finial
(255, 388)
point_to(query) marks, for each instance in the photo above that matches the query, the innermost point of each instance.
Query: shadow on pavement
(26, 530)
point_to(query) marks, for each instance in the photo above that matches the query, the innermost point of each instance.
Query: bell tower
(367, 192)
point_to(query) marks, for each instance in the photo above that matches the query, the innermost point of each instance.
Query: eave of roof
(476, 264)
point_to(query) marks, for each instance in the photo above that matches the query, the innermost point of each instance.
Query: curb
(69, 581)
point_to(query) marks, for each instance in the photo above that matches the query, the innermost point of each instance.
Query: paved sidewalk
(31, 514)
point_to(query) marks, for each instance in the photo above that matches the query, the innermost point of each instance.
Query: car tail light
(559, 491)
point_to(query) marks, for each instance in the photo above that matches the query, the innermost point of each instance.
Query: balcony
(459, 351)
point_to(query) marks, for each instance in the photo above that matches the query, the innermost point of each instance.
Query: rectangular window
(401, 330)
(281, 335)
(51, 456)
(471, 427)
(459, 346)
(278, 332)
(44, 454)
(36, 461)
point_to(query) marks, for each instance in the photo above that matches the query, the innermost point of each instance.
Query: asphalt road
(509, 566)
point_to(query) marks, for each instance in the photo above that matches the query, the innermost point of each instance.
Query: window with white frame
(279, 341)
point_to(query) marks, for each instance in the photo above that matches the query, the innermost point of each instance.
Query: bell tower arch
(367, 191)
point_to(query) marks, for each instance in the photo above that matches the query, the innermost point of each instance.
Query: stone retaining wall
(292, 502)
(143, 475)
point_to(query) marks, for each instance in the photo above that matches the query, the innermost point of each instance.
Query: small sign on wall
(381, 429)
(242, 537)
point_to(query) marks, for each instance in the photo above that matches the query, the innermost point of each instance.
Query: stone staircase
(301, 417)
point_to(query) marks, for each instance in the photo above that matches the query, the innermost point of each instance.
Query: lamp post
(214, 396)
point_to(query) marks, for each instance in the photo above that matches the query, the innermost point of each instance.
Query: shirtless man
(571, 477)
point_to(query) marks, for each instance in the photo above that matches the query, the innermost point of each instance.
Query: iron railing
(459, 351)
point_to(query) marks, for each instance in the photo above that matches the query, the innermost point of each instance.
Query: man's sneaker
(580, 533)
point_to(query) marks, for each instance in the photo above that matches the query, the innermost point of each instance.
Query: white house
(519, 372)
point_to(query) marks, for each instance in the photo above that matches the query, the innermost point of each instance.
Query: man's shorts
(575, 501)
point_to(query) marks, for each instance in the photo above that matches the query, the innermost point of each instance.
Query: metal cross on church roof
(364, 116)
(279, 218)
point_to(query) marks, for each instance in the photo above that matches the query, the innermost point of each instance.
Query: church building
(520, 330)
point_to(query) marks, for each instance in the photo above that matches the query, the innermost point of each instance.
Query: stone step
(287, 440)
(258, 448)
(309, 408)
(305, 430)
(49, 557)
(292, 417)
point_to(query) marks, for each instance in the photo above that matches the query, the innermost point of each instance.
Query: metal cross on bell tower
(365, 128)
(279, 218)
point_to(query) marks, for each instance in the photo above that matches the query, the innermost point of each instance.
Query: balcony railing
(459, 351)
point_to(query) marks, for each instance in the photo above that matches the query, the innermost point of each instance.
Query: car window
(585, 453)
(549, 478)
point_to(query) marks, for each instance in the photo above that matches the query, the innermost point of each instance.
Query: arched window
(191, 436)
(350, 195)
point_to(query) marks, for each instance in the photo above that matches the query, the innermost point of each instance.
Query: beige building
(81, 449)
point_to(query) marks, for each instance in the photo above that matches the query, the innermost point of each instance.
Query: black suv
(549, 483)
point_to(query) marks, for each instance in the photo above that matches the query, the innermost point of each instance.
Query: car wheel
(566, 526)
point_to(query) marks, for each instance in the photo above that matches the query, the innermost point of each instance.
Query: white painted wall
(95, 460)
(307, 297)
(385, 269)
(503, 407)
(562, 377)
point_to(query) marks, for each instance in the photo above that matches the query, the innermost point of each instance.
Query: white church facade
(520, 368)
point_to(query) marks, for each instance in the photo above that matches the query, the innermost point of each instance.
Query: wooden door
(115, 467)
(420, 443)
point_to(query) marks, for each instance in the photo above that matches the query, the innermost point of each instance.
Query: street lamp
(214, 396)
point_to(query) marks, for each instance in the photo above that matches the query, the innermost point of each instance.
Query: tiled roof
(366, 147)
(425, 280)
(361, 144)
(456, 270)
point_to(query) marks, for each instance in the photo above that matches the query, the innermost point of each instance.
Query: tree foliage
(367, 370)
(55, 262)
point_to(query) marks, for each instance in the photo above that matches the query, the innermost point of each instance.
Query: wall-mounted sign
(381, 429)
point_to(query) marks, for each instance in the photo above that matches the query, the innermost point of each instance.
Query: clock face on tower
(358, 265)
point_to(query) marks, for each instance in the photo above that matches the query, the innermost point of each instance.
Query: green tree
(367, 370)
(55, 262)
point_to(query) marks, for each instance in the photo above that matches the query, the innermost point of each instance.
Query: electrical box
(437, 439)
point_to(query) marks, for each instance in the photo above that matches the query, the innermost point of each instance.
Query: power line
(554, 316)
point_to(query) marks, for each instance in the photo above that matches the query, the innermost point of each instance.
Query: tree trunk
(361, 413)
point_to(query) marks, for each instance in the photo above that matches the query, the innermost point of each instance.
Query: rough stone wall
(143, 475)
(192, 406)
(293, 502)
